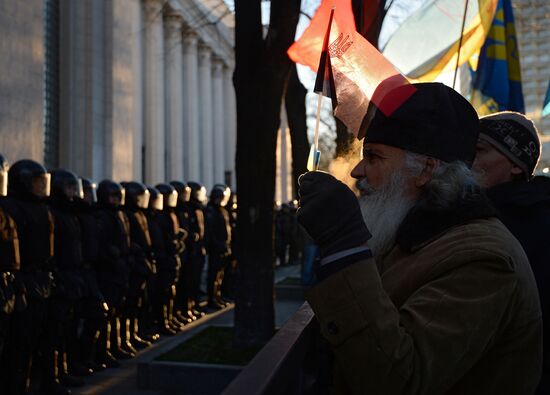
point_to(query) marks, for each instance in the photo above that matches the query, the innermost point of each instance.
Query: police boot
(136, 340)
(116, 342)
(103, 353)
(174, 321)
(126, 337)
(164, 323)
(183, 318)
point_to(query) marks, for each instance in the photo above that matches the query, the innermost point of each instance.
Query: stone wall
(21, 79)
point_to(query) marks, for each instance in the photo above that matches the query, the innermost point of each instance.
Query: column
(154, 92)
(174, 97)
(191, 145)
(230, 139)
(218, 118)
(136, 44)
(205, 110)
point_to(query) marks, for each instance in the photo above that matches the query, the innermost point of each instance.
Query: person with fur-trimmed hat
(508, 151)
(440, 299)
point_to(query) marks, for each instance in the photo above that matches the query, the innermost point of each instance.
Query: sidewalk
(122, 381)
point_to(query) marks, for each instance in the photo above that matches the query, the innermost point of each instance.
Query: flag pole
(314, 152)
(317, 121)
(460, 42)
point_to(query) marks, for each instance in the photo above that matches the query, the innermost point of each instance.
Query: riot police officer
(112, 266)
(169, 263)
(9, 263)
(195, 244)
(218, 242)
(184, 301)
(93, 309)
(69, 281)
(142, 264)
(28, 187)
(160, 316)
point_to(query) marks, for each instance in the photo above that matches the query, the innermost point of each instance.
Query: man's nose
(358, 171)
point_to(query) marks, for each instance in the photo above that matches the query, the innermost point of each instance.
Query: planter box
(177, 368)
(185, 377)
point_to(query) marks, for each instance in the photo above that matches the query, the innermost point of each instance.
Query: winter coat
(452, 308)
(69, 279)
(218, 231)
(195, 239)
(524, 207)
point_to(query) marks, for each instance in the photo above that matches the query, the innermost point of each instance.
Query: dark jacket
(169, 263)
(524, 207)
(218, 230)
(452, 308)
(142, 255)
(114, 247)
(89, 225)
(35, 230)
(195, 239)
(68, 252)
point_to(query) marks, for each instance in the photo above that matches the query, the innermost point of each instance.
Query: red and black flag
(324, 82)
(359, 73)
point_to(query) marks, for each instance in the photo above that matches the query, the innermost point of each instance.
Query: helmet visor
(40, 185)
(226, 196)
(201, 195)
(3, 182)
(143, 200)
(157, 203)
(122, 197)
(185, 195)
(90, 194)
(74, 190)
(172, 199)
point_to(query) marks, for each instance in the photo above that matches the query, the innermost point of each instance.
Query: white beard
(384, 210)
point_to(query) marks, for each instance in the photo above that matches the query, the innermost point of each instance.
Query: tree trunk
(369, 15)
(295, 103)
(261, 74)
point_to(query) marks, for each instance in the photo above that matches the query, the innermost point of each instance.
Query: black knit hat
(435, 121)
(515, 136)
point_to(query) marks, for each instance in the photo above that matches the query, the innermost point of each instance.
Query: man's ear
(427, 172)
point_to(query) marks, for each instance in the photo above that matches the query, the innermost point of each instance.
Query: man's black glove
(330, 213)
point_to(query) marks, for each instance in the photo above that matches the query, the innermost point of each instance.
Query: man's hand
(330, 213)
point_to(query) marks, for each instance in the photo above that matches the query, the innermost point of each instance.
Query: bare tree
(261, 74)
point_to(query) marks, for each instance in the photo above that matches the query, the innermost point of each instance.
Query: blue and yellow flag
(546, 105)
(497, 80)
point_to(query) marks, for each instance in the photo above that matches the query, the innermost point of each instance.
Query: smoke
(342, 166)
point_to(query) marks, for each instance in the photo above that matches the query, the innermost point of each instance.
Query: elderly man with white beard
(441, 298)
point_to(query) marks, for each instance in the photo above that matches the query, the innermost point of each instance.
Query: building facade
(125, 89)
(532, 20)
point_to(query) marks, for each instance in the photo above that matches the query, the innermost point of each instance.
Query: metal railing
(292, 362)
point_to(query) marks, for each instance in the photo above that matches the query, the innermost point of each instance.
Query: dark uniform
(184, 300)
(9, 265)
(159, 310)
(10, 261)
(143, 261)
(195, 240)
(218, 243)
(112, 266)
(93, 309)
(69, 281)
(28, 186)
(169, 263)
